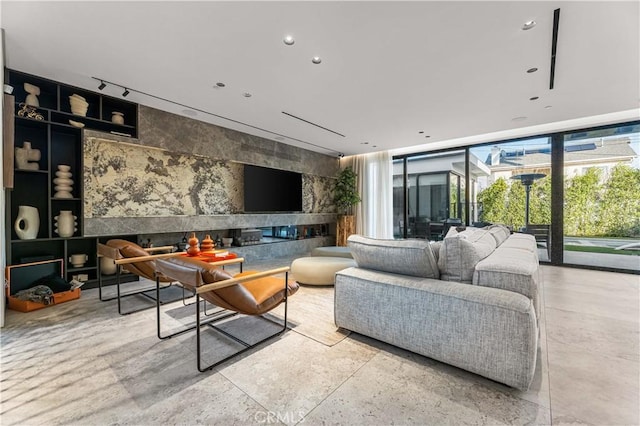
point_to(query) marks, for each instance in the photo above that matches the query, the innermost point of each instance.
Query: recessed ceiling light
(374, 146)
(189, 112)
(528, 25)
(530, 70)
(218, 84)
(364, 143)
(246, 94)
(316, 59)
(288, 40)
(519, 119)
(421, 131)
(534, 98)
(427, 136)
(548, 106)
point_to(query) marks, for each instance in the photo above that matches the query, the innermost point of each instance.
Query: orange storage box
(20, 277)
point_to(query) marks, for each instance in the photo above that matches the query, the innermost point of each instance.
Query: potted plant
(345, 197)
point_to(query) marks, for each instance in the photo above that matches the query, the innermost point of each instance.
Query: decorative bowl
(76, 124)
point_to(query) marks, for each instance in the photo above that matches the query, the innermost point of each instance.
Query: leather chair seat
(253, 297)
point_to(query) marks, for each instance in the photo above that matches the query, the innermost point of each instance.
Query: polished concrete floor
(82, 363)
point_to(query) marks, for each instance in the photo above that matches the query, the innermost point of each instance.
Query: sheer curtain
(374, 215)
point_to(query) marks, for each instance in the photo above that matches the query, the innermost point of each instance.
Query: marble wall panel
(125, 180)
(175, 133)
(317, 194)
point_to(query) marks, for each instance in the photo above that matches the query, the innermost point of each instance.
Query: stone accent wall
(174, 133)
(183, 174)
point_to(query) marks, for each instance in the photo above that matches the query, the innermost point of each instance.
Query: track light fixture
(192, 111)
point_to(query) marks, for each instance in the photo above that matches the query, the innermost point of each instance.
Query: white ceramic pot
(63, 183)
(227, 242)
(27, 223)
(65, 224)
(117, 117)
(107, 266)
(33, 93)
(78, 260)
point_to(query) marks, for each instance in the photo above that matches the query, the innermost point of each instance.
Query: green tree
(514, 214)
(620, 207)
(494, 201)
(540, 201)
(582, 208)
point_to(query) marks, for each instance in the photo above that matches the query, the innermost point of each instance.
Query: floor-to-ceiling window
(593, 195)
(602, 198)
(517, 190)
(432, 191)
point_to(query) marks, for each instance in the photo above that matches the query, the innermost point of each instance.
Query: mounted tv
(271, 190)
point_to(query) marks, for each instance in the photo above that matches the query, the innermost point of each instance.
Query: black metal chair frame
(222, 314)
(119, 260)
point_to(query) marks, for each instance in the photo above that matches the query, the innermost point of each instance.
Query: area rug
(310, 313)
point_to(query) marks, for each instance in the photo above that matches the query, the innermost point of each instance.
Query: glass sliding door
(516, 190)
(432, 193)
(602, 198)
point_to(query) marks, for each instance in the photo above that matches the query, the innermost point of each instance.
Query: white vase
(63, 183)
(27, 223)
(117, 117)
(33, 93)
(65, 224)
(107, 266)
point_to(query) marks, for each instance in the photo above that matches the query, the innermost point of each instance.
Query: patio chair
(250, 293)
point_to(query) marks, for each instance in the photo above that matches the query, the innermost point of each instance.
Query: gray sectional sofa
(471, 301)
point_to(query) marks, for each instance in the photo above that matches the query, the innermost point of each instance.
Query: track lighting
(102, 85)
(125, 93)
(340, 155)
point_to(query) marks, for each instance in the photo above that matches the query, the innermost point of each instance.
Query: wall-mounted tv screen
(271, 190)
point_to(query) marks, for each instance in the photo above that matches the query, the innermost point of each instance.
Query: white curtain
(374, 215)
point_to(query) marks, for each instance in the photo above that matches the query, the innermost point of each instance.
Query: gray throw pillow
(406, 257)
(460, 253)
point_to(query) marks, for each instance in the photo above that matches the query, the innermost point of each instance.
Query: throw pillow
(460, 253)
(406, 257)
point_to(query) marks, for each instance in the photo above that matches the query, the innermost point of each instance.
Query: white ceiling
(389, 69)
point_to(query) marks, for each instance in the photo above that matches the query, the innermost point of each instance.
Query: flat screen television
(271, 190)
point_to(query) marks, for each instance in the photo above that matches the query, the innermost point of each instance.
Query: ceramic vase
(79, 105)
(33, 93)
(63, 182)
(193, 250)
(107, 266)
(65, 224)
(27, 157)
(27, 223)
(207, 243)
(117, 117)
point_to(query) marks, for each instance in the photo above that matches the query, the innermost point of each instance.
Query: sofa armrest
(513, 270)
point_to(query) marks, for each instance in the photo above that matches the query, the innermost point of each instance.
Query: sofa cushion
(461, 252)
(406, 257)
(511, 269)
(499, 232)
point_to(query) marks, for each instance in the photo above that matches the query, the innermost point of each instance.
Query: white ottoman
(319, 270)
(332, 251)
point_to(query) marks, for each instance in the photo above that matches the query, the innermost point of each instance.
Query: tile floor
(81, 363)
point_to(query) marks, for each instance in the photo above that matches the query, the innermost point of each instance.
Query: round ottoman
(319, 270)
(332, 251)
